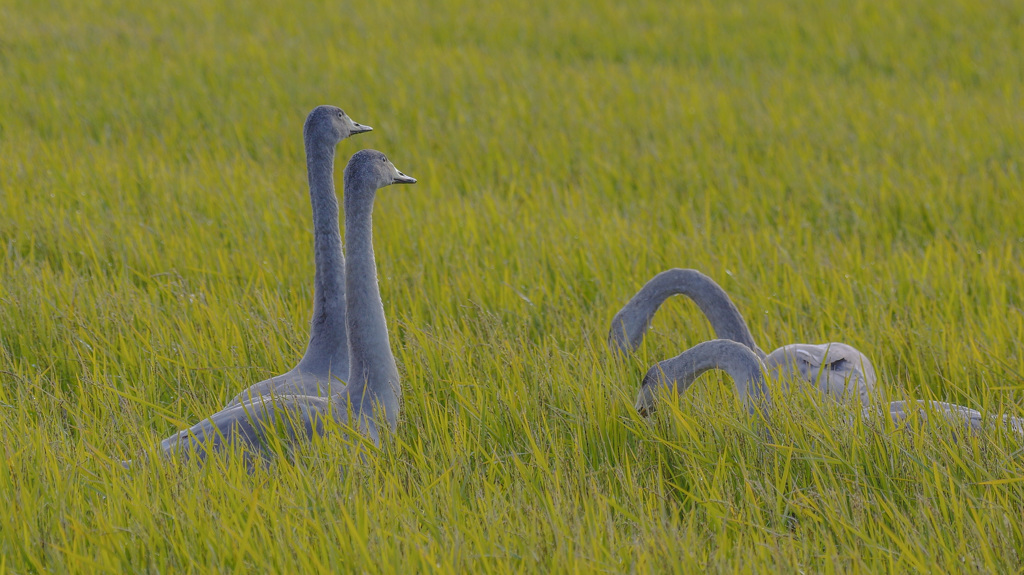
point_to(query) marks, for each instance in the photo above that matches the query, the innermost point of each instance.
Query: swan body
(325, 364)
(252, 423)
(837, 369)
(372, 392)
(972, 419)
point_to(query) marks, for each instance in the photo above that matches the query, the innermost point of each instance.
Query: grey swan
(325, 364)
(748, 372)
(372, 377)
(838, 370)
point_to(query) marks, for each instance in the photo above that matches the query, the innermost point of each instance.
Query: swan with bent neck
(747, 372)
(838, 370)
(372, 377)
(679, 372)
(325, 365)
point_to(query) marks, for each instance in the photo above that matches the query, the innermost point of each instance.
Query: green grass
(846, 170)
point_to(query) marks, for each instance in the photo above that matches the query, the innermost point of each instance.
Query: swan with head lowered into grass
(372, 378)
(678, 373)
(838, 370)
(325, 364)
(748, 373)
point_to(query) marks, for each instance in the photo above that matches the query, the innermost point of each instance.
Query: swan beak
(645, 402)
(401, 178)
(358, 128)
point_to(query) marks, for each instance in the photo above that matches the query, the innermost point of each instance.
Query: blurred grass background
(846, 170)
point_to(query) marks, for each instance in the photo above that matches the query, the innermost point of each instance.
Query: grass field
(847, 170)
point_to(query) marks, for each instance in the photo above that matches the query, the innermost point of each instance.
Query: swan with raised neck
(373, 375)
(325, 364)
(373, 382)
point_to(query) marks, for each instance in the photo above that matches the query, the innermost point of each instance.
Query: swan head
(627, 330)
(331, 124)
(645, 400)
(837, 369)
(370, 170)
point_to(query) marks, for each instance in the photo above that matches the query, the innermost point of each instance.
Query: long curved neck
(736, 359)
(372, 366)
(633, 320)
(327, 351)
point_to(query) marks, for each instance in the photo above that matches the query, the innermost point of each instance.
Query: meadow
(847, 171)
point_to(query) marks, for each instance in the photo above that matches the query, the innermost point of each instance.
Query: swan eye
(341, 114)
(384, 159)
(838, 365)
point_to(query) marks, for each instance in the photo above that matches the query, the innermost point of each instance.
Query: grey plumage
(325, 364)
(837, 369)
(972, 419)
(748, 372)
(373, 376)
(372, 365)
(631, 323)
(679, 373)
